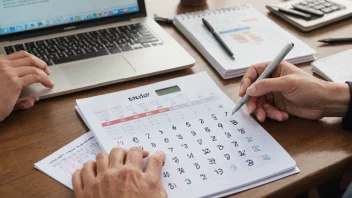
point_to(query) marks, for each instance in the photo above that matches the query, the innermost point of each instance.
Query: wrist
(337, 99)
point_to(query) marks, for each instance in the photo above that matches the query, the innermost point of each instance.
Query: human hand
(17, 71)
(120, 175)
(292, 91)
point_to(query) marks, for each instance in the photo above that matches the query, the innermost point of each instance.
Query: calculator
(308, 15)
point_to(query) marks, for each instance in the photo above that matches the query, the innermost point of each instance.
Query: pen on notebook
(218, 38)
(336, 40)
(266, 73)
(163, 19)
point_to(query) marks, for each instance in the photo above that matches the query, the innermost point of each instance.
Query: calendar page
(208, 151)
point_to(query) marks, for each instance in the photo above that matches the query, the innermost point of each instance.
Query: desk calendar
(209, 152)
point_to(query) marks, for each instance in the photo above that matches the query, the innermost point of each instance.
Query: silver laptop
(308, 15)
(89, 43)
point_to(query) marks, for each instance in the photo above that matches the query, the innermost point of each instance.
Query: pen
(163, 19)
(266, 73)
(218, 38)
(295, 13)
(336, 40)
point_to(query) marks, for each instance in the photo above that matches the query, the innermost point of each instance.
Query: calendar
(208, 150)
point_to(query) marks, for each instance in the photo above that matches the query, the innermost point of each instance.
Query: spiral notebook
(250, 35)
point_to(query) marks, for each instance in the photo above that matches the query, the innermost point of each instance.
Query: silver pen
(266, 73)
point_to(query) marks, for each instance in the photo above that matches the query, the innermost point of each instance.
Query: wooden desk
(322, 149)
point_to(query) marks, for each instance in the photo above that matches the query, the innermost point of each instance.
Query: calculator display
(168, 90)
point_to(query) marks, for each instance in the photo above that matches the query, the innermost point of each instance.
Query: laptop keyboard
(89, 45)
(317, 8)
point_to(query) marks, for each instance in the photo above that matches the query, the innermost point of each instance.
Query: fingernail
(160, 152)
(27, 105)
(251, 90)
(30, 104)
(52, 82)
(241, 89)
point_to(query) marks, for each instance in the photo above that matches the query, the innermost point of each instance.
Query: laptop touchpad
(93, 71)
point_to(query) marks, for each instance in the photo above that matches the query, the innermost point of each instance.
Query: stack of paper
(335, 68)
(251, 36)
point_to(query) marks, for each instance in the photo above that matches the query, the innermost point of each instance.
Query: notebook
(210, 153)
(251, 36)
(335, 68)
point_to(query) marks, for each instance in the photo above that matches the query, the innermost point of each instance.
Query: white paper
(64, 162)
(206, 147)
(336, 68)
(63, 173)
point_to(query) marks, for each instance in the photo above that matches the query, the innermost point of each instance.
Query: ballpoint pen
(218, 38)
(266, 73)
(336, 40)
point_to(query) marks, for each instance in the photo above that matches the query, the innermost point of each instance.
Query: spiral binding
(204, 13)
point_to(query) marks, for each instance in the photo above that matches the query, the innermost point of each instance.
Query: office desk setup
(322, 149)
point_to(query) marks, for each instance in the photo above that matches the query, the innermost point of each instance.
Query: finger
(259, 112)
(102, 161)
(270, 85)
(18, 55)
(155, 163)
(31, 60)
(274, 113)
(135, 157)
(255, 70)
(117, 157)
(32, 78)
(25, 103)
(43, 78)
(245, 83)
(252, 104)
(88, 172)
(77, 183)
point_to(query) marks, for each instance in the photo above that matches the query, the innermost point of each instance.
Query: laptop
(308, 15)
(89, 43)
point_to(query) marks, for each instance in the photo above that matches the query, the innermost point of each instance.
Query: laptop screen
(23, 15)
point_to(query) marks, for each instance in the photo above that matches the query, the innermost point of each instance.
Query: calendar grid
(159, 111)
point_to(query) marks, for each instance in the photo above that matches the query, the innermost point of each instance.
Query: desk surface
(321, 149)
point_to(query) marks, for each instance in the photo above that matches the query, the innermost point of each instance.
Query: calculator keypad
(317, 8)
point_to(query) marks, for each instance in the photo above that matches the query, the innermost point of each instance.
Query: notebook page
(251, 36)
(206, 147)
(337, 68)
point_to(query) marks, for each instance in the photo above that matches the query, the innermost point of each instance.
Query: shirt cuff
(347, 120)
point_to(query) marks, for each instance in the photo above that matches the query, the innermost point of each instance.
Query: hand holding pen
(292, 91)
(266, 73)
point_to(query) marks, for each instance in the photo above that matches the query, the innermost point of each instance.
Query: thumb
(270, 85)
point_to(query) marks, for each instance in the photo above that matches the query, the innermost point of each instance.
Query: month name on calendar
(201, 139)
